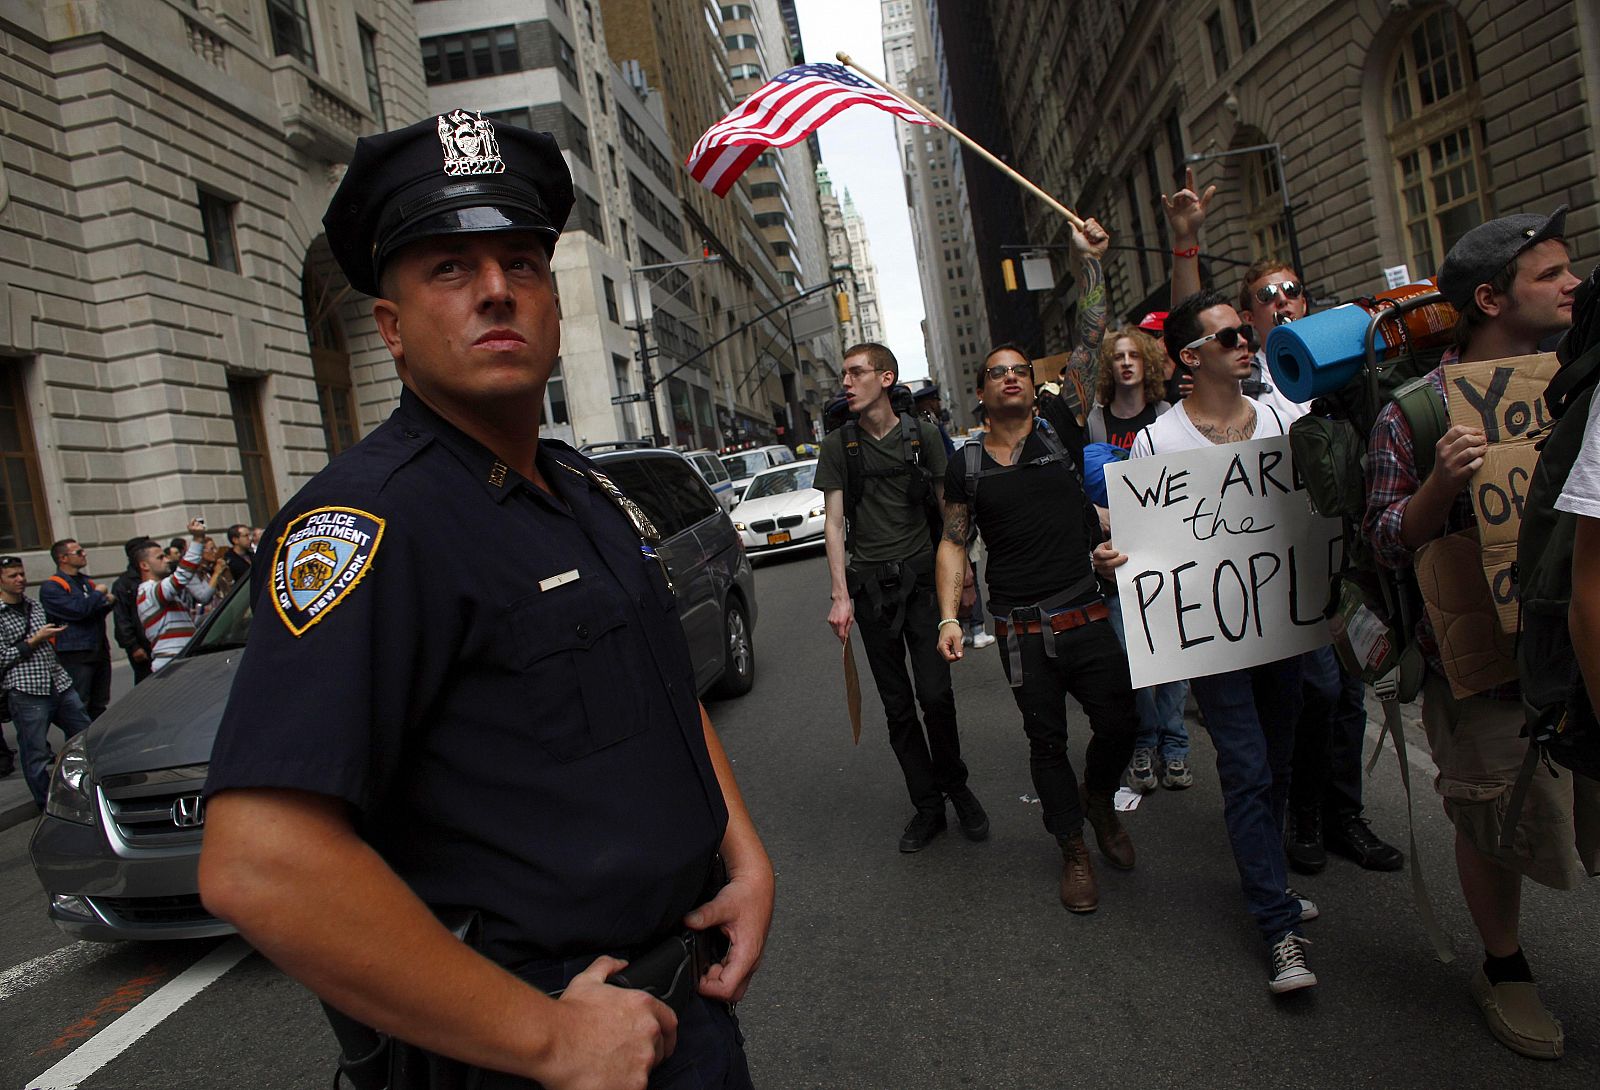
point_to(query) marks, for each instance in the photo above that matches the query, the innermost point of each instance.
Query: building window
(1136, 221)
(567, 62)
(1264, 207)
(1244, 14)
(369, 65)
(216, 220)
(1435, 117)
(1218, 43)
(600, 93)
(336, 394)
(244, 395)
(610, 289)
(291, 31)
(471, 55)
(555, 398)
(24, 523)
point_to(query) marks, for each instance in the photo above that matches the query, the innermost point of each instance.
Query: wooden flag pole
(1071, 216)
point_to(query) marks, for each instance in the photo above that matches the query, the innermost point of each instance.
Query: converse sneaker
(1141, 773)
(1308, 907)
(1289, 971)
(1175, 774)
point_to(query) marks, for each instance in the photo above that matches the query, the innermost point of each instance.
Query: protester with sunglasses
(1249, 713)
(73, 599)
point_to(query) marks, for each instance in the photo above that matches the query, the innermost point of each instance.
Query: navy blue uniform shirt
(495, 679)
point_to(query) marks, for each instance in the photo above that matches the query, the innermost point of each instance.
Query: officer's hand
(1457, 455)
(607, 1038)
(743, 909)
(950, 642)
(840, 617)
(1107, 560)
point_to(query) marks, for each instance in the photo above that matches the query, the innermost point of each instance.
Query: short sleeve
(933, 448)
(1142, 446)
(955, 477)
(1581, 496)
(830, 464)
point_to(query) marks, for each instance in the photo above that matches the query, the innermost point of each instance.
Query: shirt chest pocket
(577, 669)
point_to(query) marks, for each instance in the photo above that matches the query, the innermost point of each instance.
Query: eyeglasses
(1228, 338)
(1266, 293)
(858, 373)
(1001, 370)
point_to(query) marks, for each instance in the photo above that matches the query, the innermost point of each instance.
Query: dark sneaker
(1141, 773)
(921, 830)
(1289, 970)
(1303, 845)
(970, 814)
(1354, 839)
(1175, 774)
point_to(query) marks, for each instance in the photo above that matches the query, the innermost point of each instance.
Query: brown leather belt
(1064, 621)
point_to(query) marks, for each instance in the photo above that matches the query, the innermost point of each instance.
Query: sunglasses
(10, 561)
(1266, 293)
(1001, 370)
(1228, 338)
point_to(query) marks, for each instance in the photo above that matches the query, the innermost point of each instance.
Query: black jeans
(1328, 740)
(1090, 666)
(91, 677)
(931, 759)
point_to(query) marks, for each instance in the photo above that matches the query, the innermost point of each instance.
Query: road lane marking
(19, 978)
(116, 1038)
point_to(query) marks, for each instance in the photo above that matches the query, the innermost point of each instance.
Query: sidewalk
(16, 802)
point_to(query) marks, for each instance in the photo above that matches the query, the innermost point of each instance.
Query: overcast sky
(859, 150)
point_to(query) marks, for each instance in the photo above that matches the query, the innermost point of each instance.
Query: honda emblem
(189, 811)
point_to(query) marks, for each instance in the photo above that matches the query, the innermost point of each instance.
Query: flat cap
(1480, 254)
(452, 174)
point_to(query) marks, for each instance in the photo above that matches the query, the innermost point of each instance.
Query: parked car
(747, 463)
(781, 511)
(715, 474)
(117, 848)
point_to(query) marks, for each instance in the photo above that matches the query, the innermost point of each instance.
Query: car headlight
(71, 796)
(739, 526)
(816, 512)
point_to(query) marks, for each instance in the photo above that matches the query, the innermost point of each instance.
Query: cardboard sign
(1475, 652)
(1505, 398)
(1228, 567)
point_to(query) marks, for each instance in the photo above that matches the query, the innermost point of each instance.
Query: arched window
(1435, 119)
(330, 361)
(1264, 207)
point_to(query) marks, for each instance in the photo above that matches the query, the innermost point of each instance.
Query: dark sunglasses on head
(1266, 293)
(1001, 370)
(1228, 338)
(10, 561)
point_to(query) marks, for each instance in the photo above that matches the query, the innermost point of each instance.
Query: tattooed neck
(1232, 431)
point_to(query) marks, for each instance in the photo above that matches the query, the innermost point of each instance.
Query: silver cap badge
(469, 144)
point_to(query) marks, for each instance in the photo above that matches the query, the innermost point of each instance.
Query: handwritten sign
(1505, 398)
(1227, 565)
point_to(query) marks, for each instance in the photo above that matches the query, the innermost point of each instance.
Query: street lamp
(1283, 190)
(644, 346)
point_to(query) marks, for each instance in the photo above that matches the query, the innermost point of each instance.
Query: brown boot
(1115, 843)
(1079, 891)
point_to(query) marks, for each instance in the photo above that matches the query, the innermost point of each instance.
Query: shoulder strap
(1423, 410)
(1099, 427)
(62, 583)
(852, 467)
(973, 453)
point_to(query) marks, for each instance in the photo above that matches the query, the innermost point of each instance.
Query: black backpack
(1561, 717)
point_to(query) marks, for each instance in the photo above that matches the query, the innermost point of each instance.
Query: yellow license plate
(778, 538)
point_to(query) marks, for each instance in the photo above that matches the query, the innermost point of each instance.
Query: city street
(955, 967)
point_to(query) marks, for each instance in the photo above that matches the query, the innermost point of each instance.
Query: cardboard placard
(1228, 565)
(1504, 398)
(1476, 652)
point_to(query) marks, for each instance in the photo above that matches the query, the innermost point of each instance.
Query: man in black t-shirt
(1039, 529)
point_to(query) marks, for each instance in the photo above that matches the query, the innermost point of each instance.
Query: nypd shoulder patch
(320, 558)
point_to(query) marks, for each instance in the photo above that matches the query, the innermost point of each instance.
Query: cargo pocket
(572, 652)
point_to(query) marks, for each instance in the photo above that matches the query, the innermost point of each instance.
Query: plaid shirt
(23, 669)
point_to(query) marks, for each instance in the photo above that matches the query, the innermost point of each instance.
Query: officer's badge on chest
(321, 557)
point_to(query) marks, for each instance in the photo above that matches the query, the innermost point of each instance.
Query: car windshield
(778, 481)
(747, 464)
(226, 629)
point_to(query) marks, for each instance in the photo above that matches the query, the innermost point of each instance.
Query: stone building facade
(173, 337)
(1401, 124)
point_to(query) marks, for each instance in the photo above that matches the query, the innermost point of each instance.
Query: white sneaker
(982, 639)
(1308, 907)
(1289, 971)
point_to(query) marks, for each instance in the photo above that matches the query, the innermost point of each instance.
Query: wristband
(1193, 251)
(949, 620)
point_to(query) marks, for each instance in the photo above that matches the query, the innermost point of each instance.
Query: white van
(715, 474)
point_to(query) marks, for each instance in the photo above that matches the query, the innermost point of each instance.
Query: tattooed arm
(1090, 247)
(951, 574)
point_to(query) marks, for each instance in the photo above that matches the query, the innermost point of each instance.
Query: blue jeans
(1161, 725)
(32, 716)
(1251, 715)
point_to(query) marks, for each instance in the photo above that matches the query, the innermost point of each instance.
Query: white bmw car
(780, 510)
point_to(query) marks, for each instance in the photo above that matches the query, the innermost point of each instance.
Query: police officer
(409, 733)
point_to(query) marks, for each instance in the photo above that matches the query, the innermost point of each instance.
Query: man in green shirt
(883, 479)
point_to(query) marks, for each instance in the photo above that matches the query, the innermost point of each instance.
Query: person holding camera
(37, 688)
(173, 597)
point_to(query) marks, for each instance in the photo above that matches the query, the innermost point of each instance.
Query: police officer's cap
(452, 174)
(1483, 252)
(925, 393)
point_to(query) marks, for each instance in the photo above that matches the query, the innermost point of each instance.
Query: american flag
(784, 111)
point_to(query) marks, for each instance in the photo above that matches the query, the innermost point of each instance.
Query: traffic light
(1008, 273)
(841, 303)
